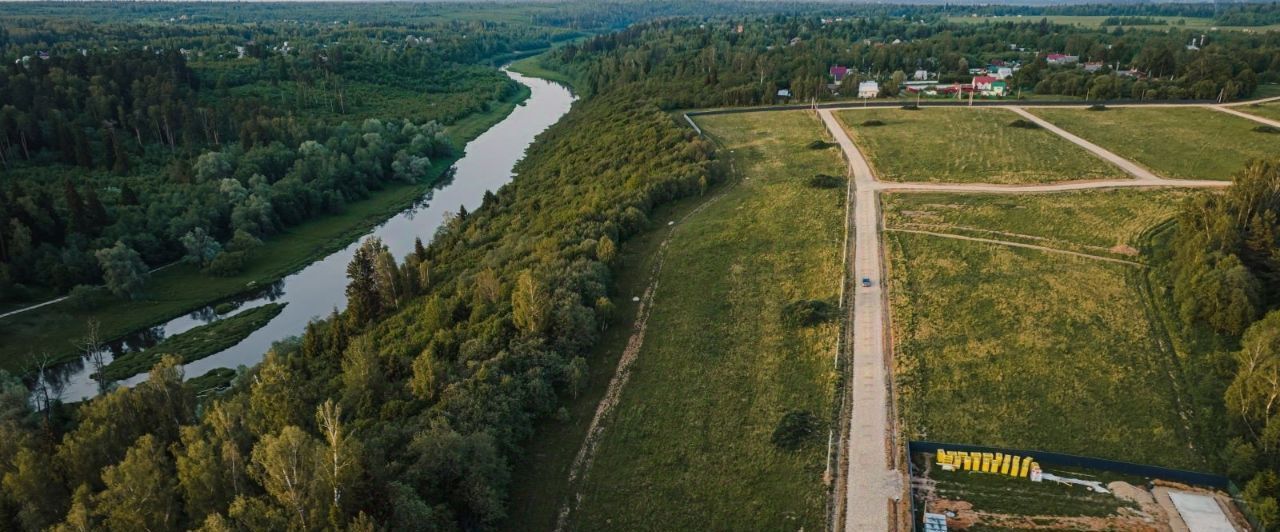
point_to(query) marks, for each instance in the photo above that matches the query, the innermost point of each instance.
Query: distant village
(991, 81)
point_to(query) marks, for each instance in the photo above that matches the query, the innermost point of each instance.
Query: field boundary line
(581, 466)
(1017, 245)
(918, 226)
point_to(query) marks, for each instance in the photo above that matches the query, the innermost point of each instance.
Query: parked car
(866, 281)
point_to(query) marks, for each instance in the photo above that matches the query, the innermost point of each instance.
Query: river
(317, 289)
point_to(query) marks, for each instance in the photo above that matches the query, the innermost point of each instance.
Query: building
(1062, 59)
(784, 93)
(1093, 66)
(868, 89)
(838, 73)
(989, 86)
(920, 75)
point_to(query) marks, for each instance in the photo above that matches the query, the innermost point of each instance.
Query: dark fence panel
(1060, 459)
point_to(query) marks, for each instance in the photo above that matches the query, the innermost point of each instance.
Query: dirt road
(873, 484)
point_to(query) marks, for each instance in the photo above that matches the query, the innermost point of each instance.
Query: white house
(920, 75)
(868, 89)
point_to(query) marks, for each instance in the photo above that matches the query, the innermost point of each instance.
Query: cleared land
(690, 442)
(55, 329)
(1102, 222)
(1266, 110)
(1175, 142)
(947, 145)
(1028, 349)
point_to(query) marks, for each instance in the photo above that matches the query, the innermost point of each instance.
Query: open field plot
(1265, 110)
(1022, 348)
(1175, 142)
(967, 146)
(690, 442)
(1103, 222)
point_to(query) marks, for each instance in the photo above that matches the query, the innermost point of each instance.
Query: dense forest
(1224, 278)
(713, 63)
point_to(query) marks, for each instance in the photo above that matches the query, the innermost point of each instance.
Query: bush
(227, 264)
(820, 145)
(825, 181)
(911, 107)
(872, 123)
(1024, 124)
(84, 297)
(794, 429)
(1267, 129)
(224, 308)
(1097, 107)
(808, 312)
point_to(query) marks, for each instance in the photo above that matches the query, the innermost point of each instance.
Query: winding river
(317, 289)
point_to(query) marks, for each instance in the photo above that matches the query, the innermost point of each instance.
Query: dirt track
(873, 485)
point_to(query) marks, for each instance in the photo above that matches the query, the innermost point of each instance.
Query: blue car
(866, 281)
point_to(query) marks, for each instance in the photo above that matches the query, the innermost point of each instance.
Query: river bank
(50, 335)
(319, 288)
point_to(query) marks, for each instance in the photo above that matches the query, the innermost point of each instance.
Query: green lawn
(1266, 110)
(55, 329)
(194, 344)
(1179, 143)
(689, 443)
(1022, 348)
(967, 146)
(1093, 221)
(533, 66)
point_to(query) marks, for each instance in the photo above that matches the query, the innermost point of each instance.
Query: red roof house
(838, 73)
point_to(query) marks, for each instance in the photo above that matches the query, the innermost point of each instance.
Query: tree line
(712, 63)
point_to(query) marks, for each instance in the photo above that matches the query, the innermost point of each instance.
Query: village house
(868, 89)
(784, 94)
(838, 73)
(1062, 59)
(989, 85)
(920, 75)
(1093, 66)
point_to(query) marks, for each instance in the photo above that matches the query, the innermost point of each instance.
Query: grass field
(1103, 222)
(967, 146)
(1028, 349)
(55, 329)
(1178, 143)
(689, 443)
(1266, 110)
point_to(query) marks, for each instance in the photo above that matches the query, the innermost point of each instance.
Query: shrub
(794, 429)
(820, 145)
(872, 123)
(911, 107)
(84, 297)
(1024, 124)
(825, 181)
(1097, 107)
(224, 308)
(808, 312)
(1267, 129)
(227, 264)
